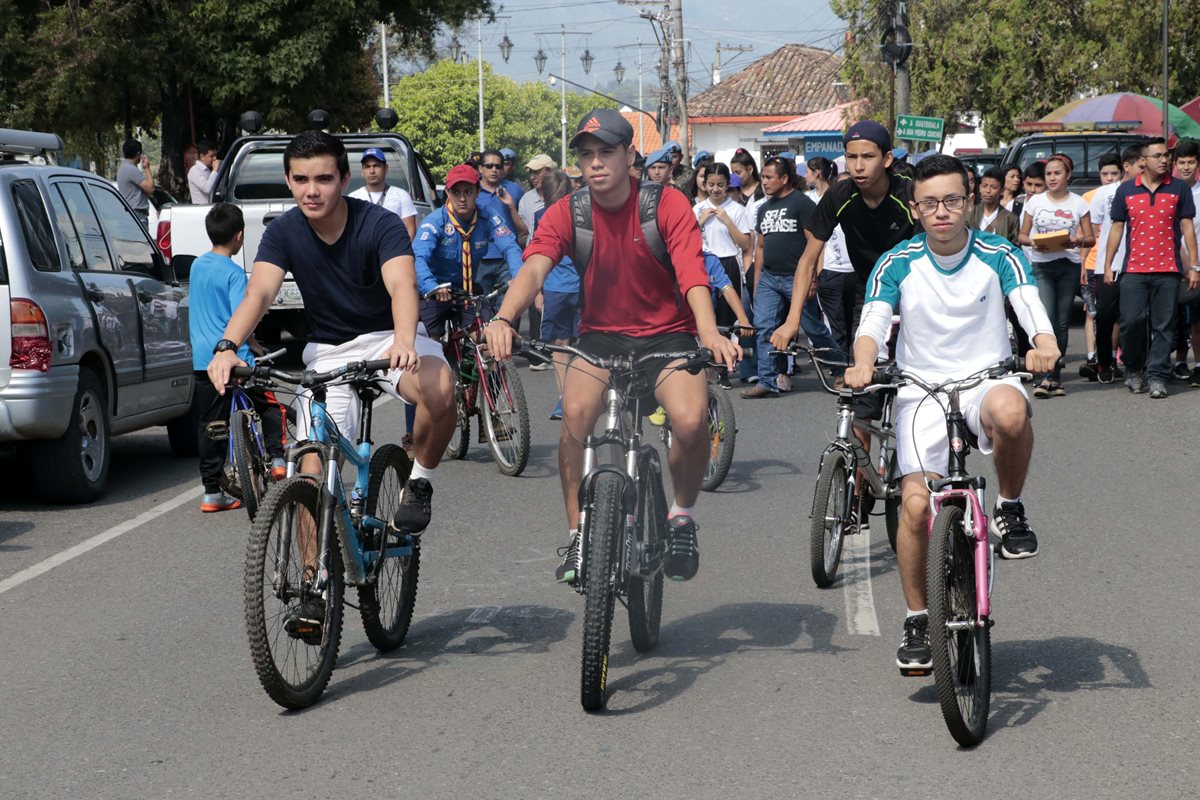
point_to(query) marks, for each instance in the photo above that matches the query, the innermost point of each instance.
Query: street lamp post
(540, 60)
(479, 58)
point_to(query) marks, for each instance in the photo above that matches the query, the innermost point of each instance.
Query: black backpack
(649, 195)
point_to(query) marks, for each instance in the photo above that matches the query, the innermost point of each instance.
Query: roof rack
(30, 143)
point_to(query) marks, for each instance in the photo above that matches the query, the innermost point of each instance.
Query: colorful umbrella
(1127, 107)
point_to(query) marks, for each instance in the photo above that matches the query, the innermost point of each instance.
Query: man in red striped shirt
(632, 305)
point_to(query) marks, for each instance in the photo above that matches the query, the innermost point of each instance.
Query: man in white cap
(377, 192)
(531, 202)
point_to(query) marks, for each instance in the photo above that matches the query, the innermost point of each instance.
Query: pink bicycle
(960, 568)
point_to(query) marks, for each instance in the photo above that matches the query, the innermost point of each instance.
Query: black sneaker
(1195, 380)
(1017, 539)
(683, 551)
(1181, 372)
(915, 658)
(1089, 370)
(1106, 374)
(1135, 384)
(568, 570)
(723, 381)
(306, 620)
(1158, 389)
(416, 507)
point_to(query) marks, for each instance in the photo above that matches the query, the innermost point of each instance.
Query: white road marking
(29, 573)
(856, 583)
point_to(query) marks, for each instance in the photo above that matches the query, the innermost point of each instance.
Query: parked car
(93, 327)
(1085, 147)
(979, 162)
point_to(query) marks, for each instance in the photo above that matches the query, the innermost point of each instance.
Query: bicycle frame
(848, 444)
(959, 487)
(360, 563)
(470, 338)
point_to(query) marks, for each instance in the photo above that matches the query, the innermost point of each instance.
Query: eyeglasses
(1161, 156)
(955, 202)
(491, 166)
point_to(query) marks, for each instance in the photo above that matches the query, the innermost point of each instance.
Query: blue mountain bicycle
(311, 539)
(247, 471)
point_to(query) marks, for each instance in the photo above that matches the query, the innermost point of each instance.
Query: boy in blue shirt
(217, 284)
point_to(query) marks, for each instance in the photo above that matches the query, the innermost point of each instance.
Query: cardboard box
(1055, 242)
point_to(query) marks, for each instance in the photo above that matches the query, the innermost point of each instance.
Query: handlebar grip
(241, 372)
(882, 376)
(702, 359)
(378, 365)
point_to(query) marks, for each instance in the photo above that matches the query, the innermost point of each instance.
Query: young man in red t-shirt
(631, 306)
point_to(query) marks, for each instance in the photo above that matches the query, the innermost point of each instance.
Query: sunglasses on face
(491, 166)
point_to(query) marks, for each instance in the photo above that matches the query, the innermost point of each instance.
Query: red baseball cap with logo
(463, 173)
(605, 124)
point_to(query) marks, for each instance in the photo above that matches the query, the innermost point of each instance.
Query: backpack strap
(584, 234)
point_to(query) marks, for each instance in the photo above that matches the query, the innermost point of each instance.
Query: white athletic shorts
(920, 425)
(341, 402)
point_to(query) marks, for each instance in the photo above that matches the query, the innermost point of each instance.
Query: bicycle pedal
(217, 431)
(922, 672)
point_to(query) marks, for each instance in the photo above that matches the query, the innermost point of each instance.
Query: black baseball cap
(605, 124)
(871, 131)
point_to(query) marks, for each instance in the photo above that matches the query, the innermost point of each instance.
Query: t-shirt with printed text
(781, 222)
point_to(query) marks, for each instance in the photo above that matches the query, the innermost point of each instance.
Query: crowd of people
(629, 254)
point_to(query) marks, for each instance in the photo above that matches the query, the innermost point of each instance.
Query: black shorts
(607, 345)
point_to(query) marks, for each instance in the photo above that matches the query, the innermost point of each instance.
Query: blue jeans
(1057, 282)
(1148, 304)
(746, 367)
(772, 298)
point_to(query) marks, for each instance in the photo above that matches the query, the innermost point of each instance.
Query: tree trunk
(175, 136)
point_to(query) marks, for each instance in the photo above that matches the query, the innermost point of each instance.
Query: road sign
(921, 129)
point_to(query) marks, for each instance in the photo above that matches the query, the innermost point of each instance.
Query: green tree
(439, 113)
(190, 67)
(1015, 60)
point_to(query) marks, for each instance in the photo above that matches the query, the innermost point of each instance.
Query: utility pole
(903, 84)
(660, 23)
(387, 90)
(727, 48)
(680, 84)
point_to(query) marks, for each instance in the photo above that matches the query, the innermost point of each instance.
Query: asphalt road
(125, 671)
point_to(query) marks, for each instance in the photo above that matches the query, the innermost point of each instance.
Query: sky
(611, 29)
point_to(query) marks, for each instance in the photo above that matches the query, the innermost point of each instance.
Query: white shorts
(920, 424)
(341, 402)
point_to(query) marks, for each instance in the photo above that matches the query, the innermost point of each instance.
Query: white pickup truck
(251, 176)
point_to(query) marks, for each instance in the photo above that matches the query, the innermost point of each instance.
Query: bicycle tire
(460, 440)
(251, 463)
(645, 595)
(891, 506)
(828, 530)
(606, 523)
(722, 432)
(297, 677)
(962, 659)
(386, 603)
(504, 405)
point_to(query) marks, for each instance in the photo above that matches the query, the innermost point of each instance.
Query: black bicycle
(623, 525)
(845, 479)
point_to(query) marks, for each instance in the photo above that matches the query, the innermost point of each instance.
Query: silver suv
(93, 327)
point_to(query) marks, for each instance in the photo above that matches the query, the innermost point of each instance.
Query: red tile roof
(650, 135)
(828, 119)
(795, 79)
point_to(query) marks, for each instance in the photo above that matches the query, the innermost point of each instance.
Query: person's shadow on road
(693, 646)
(487, 631)
(1027, 674)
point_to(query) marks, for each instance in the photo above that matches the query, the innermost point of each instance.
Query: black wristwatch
(223, 345)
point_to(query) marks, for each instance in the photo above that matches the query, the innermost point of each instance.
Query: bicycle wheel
(645, 594)
(505, 417)
(891, 506)
(606, 523)
(461, 439)
(722, 434)
(294, 672)
(386, 603)
(251, 464)
(962, 656)
(829, 518)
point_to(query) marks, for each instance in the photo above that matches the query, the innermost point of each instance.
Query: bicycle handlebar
(1007, 367)
(882, 379)
(695, 360)
(462, 294)
(309, 379)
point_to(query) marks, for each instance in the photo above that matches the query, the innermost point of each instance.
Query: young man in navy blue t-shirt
(353, 264)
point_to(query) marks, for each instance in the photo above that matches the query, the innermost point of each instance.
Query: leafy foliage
(439, 113)
(1015, 60)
